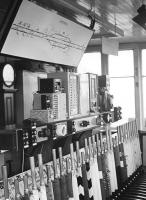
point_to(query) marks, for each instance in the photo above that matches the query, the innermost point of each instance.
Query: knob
(34, 140)
(40, 134)
(84, 123)
(25, 135)
(73, 123)
(26, 143)
(73, 130)
(34, 132)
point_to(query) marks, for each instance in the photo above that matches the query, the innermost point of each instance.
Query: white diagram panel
(40, 34)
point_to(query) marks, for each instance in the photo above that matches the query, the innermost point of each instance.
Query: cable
(22, 169)
(41, 148)
(91, 14)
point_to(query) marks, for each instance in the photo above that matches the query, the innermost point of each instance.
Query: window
(144, 62)
(144, 79)
(90, 62)
(121, 72)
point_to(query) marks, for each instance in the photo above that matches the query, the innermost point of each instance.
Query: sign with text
(41, 34)
(110, 46)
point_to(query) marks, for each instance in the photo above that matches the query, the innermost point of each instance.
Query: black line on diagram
(55, 39)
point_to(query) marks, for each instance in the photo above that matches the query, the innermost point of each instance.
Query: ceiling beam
(86, 11)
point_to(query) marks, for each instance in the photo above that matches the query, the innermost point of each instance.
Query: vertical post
(104, 64)
(138, 88)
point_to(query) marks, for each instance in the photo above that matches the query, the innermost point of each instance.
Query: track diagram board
(40, 34)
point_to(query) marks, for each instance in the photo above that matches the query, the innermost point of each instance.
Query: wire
(22, 169)
(41, 148)
(92, 14)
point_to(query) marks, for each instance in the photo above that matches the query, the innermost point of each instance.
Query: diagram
(57, 40)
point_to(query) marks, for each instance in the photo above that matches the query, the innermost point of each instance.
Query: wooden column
(104, 64)
(138, 88)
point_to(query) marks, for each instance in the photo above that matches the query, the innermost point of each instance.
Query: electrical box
(29, 133)
(84, 94)
(50, 85)
(81, 124)
(93, 93)
(41, 101)
(70, 83)
(117, 113)
(10, 139)
(56, 110)
(34, 133)
(104, 81)
(88, 94)
(58, 129)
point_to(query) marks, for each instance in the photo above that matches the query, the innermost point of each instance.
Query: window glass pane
(144, 62)
(121, 65)
(144, 96)
(144, 79)
(90, 62)
(124, 95)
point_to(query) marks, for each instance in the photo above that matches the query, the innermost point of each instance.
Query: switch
(73, 123)
(84, 123)
(43, 133)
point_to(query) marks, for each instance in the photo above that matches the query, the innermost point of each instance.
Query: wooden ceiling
(120, 13)
(113, 18)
